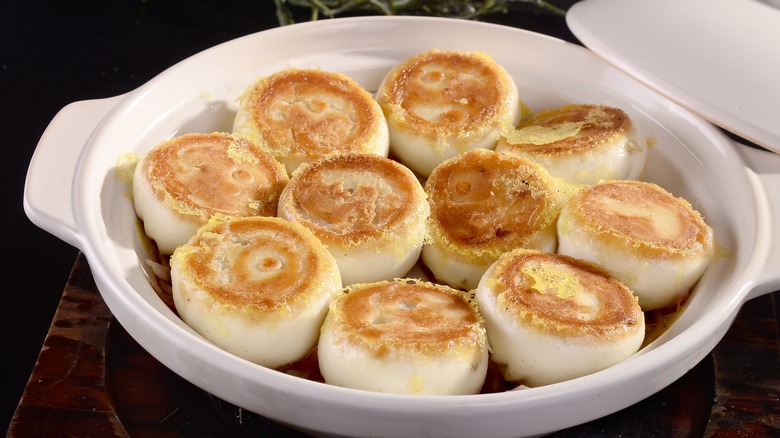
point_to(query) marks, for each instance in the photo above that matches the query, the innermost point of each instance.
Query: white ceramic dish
(718, 58)
(72, 191)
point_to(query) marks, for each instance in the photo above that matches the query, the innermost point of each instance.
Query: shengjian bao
(485, 203)
(552, 318)
(406, 337)
(580, 143)
(652, 241)
(370, 211)
(440, 103)
(184, 181)
(300, 115)
(257, 287)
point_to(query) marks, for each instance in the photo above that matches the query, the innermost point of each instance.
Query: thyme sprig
(463, 9)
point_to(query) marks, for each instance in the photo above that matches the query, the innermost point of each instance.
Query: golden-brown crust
(472, 91)
(489, 201)
(409, 315)
(216, 173)
(262, 263)
(641, 215)
(571, 129)
(353, 198)
(312, 113)
(563, 295)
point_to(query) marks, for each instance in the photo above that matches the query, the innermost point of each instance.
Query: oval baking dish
(73, 191)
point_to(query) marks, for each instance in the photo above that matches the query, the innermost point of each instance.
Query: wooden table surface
(93, 379)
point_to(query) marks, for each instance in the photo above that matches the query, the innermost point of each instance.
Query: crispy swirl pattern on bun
(441, 103)
(257, 287)
(184, 181)
(300, 115)
(582, 143)
(484, 203)
(654, 242)
(405, 337)
(552, 318)
(368, 210)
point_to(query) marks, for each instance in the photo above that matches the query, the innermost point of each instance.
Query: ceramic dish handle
(48, 187)
(764, 170)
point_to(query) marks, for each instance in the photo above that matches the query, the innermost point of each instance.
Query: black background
(55, 52)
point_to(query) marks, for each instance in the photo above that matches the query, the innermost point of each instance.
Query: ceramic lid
(718, 58)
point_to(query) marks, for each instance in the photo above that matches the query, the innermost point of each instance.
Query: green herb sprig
(463, 9)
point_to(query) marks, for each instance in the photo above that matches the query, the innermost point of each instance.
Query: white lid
(718, 58)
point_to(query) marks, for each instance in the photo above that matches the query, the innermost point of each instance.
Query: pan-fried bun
(485, 203)
(441, 103)
(183, 181)
(580, 143)
(405, 337)
(370, 211)
(300, 115)
(552, 318)
(257, 287)
(654, 242)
